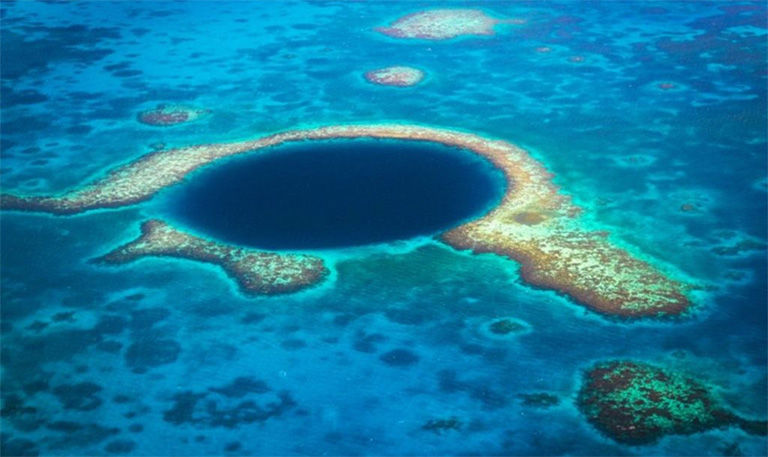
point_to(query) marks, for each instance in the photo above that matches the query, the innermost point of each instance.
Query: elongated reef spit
(256, 272)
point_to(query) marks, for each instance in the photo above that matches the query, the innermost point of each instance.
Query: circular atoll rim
(533, 224)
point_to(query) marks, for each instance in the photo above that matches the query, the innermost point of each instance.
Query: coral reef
(244, 401)
(395, 76)
(539, 399)
(440, 426)
(165, 115)
(441, 24)
(637, 403)
(255, 271)
(506, 326)
(740, 247)
(534, 224)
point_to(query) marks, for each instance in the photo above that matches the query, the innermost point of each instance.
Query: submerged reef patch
(443, 425)
(441, 24)
(637, 403)
(539, 399)
(166, 115)
(504, 328)
(395, 76)
(534, 224)
(255, 271)
(251, 401)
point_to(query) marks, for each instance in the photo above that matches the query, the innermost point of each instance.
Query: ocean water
(650, 115)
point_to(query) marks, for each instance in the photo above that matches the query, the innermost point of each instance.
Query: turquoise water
(167, 357)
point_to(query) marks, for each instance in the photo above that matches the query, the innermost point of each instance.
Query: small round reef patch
(505, 328)
(166, 115)
(441, 24)
(637, 403)
(395, 76)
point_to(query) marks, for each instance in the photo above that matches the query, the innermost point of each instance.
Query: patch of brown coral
(256, 272)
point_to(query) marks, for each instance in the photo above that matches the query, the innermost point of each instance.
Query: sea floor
(651, 116)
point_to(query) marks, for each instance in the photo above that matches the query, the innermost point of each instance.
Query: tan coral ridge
(256, 272)
(534, 224)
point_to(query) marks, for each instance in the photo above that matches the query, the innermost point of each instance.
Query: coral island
(395, 76)
(637, 403)
(166, 115)
(534, 223)
(441, 24)
(255, 271)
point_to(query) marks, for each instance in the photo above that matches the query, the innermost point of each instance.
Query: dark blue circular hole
(330, 194)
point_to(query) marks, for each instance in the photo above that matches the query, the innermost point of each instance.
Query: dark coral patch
(36, 326)
(66, 316)
(18, 447)
(144, 319)
(78, 434)
(39, 385)
(24, 418)
(399, 358)
(233, 446)
(253, 318)
(183, 409)
(127, 73)
(111, 347)
(244, 401)
(506, 326)
(242, 386)
(25, 125)
(58, 346)
(120, 446)
(539, 399)
(449, 382)
(150, 353)
(136, 428)
(440, 426)
(79, 129)
(406, 316)
(367, 342)
(293, 344)
(20, 54)
(739, 248)
(23, 97)
(81, 396)
(110, 325)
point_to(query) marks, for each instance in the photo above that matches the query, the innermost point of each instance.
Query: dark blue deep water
(340, 193)
(651, 115)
